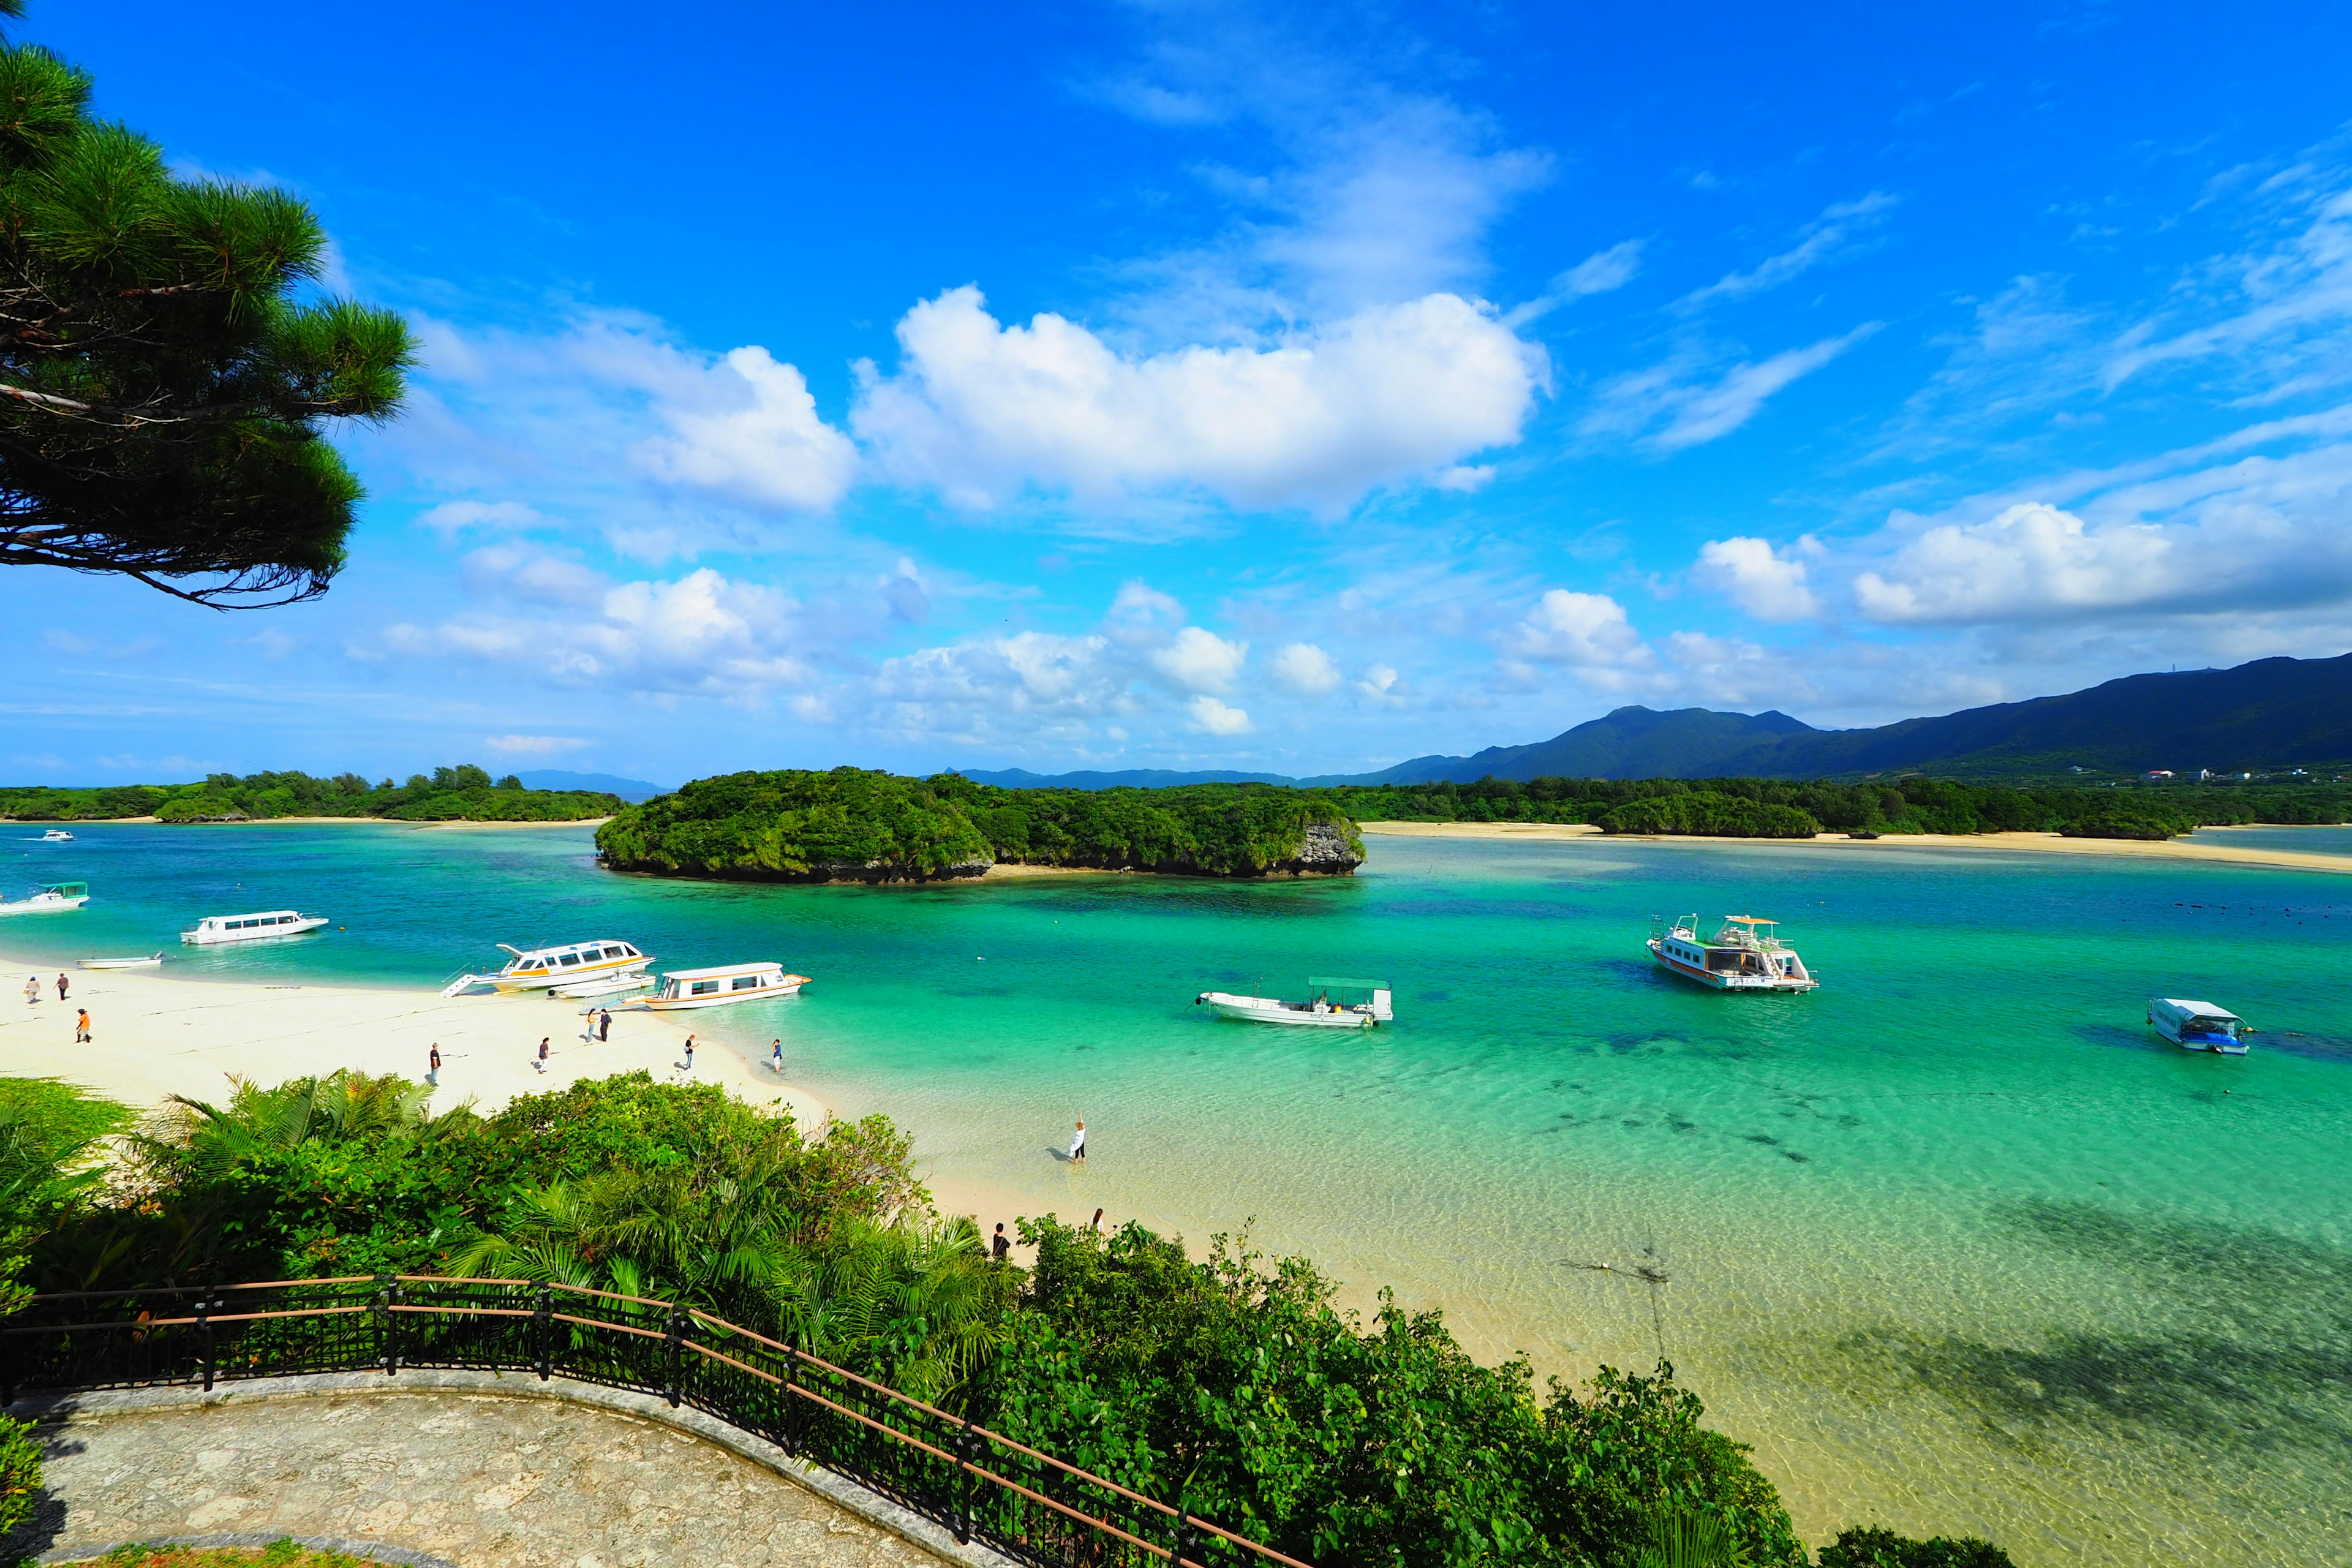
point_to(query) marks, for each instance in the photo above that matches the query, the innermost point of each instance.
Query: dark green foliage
(1748, 807)
(462, 793)
(49, 1132)
(1871, 1547)
(850, 823)
(20, 1473)
(163, 387)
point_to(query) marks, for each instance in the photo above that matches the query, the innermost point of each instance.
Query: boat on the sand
(1332, 1003)
(150, 962)
(2197, 1025)
(54, 898)
(1746, 954)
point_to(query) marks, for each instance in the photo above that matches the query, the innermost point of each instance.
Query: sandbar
(2030, 843)
(155, 1034)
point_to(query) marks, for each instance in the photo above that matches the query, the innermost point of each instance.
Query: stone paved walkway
(484, 1479)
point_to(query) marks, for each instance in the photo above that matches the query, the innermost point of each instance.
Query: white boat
(54, 835)
(54, 898)
(613, 986)
(1332, 1004)
(685, 988)
(1745, 955)
(566, 964)
(215, 930)
(2197, 1025)
(150, 962)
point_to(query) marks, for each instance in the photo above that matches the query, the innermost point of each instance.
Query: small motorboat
(213, 931)
(1745, 955)
(150, 962)
(686, 988)
(1332, 1003)
(54, 835)
(565, 964)
(2197, 1025)
(54, 898)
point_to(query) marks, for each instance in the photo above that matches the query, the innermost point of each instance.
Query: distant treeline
(1778, 808)
(851, 823)
(462, 793)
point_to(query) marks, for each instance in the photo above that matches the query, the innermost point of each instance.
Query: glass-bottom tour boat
(212, 931)
(2197, 1025)
(565, 965)
(1746, 954)
(55, 898)
(684, 989)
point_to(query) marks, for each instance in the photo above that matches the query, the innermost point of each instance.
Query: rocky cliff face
(1326, 852)
(891, 871)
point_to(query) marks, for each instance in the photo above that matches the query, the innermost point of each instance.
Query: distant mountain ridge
(631, 790)
(2269, 714)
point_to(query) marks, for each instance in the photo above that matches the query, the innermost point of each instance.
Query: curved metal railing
(980, 1484)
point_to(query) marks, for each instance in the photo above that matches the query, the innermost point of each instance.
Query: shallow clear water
(1954, 1240)
(2313, 840)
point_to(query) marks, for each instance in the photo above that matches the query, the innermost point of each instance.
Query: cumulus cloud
(1583, 632)
(2030, 561)
(1211, 717)
(1761, 581)
(1393, 393)
(1026, 678)
(1200, 660)
(1304, 670)
(747, 426)
(1684, 401)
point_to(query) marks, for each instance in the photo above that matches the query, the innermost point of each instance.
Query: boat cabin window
(628, 951)
(747, 981)
(705, 987)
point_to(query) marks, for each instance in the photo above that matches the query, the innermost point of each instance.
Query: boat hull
(1716, 980)
(610, 969)
(148, 962)
(43, 906)
(1269, 1010)
(790, 988)
(255, 933)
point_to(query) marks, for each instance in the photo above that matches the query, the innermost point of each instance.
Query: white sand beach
(153, 1035)
(2032, 843)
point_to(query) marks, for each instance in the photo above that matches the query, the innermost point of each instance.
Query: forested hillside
(461, 794)
(855, 825)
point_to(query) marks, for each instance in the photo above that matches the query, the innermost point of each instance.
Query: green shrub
(20, 1473)
(1872, 1547)
(1711, 814)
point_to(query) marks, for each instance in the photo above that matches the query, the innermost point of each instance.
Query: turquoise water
(1953, 1241)
(2309, 840)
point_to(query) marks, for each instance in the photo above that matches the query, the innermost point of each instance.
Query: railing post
(1187, 1539)
(792, 1400)
(387, 1324)
(967, 1448)
(204, 1332)
(542, 1323)
(672, 1355)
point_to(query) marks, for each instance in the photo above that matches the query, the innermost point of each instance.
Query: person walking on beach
(1078, 1146)
(1094, 1226)
(32, 990)
(776, 1055)
(1000, 1249)
(433, 1067)
(541, 1063)
(61, 986)
(603, 1025)
(81, 1027)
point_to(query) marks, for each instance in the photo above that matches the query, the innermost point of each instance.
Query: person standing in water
(776, 1056)
(1078, 1146)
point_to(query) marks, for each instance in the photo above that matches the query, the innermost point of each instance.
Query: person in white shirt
(1078, 1146)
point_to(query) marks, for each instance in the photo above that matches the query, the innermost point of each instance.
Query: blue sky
(1208, 385)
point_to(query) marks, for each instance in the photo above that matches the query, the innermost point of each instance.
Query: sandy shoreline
(2030, 843)
(155, 1034)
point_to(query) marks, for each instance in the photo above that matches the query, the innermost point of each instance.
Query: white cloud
(1748, 571)
(749, 427)
(1305, 670)
(1391, 394)
(1602, 272)
(1379, 684)
(1840, 226)
(1200, 660)
(1681, 404)
(2031, 562)
(532, 745)
(1579, 631)
(451, 516)
(1211, 717)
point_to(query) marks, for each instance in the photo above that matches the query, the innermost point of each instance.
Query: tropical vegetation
(167, 373)
(461, 794)
(852, 823)
(1233, 1381)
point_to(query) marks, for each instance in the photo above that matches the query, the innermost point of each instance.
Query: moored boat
(213, 931)
(1747, 954)
(682, 989)
(1332, 1003)
(150, 962)
(54, 898)
(2197, 1025)
(564, 963)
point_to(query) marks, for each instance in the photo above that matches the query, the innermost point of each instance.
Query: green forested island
(853, 825)
(461, 794)
(1232, 1382)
